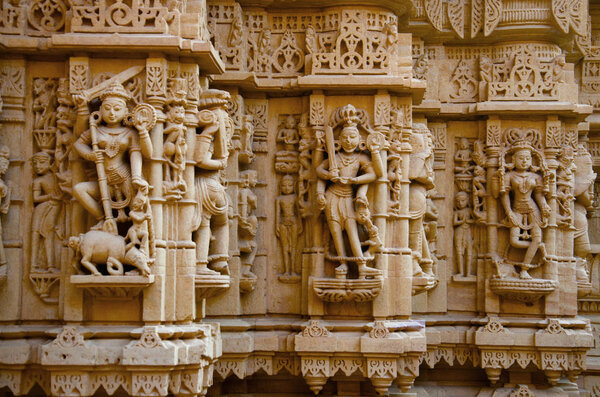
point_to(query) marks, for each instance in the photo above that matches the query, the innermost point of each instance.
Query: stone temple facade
(295, 198)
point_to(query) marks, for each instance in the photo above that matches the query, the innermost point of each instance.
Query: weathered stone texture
(252, 198)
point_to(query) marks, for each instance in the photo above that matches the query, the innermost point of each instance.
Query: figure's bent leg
(221, 242)
(536, 240)
(87, 193)
(202, 241)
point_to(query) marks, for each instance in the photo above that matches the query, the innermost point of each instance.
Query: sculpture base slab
(289, 278)
(338, 290)
(460, 279)
(208, 285)
(247, 284)
(423, 284)
(112, 287)
(583, 288)
(522, 290)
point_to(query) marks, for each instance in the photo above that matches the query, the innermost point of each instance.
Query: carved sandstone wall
(265, 198)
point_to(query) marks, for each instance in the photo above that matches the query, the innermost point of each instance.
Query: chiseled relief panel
(207, 197)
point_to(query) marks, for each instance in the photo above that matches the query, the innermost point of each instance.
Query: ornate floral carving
(315, 329)
(379, 330)
(124, 16)
(47, 15)
(456, 16)
(492, 15)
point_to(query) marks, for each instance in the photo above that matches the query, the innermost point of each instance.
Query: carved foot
(365, 271)
(221, 267)
(524, 275)
(341, 271)
(202, 270)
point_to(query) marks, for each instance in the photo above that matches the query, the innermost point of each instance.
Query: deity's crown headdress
(518, 139)
(115, 89)
(349, 116)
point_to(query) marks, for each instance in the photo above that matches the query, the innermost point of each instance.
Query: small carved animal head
(75, 243)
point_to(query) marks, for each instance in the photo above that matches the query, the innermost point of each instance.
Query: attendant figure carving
(175, 148)
(288, 224)
(47, 198)
(211, 220)
(248, 222)
(421, 180)
(463, 237)
(584, 193)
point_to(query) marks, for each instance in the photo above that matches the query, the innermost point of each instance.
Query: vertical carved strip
(476, 17)
(79, 74)
(456, 16)
(317, 109)
(493, 14)
(12, 125)
(434, 10)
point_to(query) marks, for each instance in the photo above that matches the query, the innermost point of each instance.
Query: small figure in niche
(288, 135)
(138, 234)
(463, 238)
(462, 158)
(175, 148)
(288, 225)
(47, 199)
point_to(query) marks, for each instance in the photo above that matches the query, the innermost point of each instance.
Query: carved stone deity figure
(305, 147)
(479, 181)
(463, 238)
(344, 179)
(287, 224)
(211, 152)
(4, 195)
(175, 148)
(286, 158)
(246, 155)
(462, 158)
(248, 222)
(584, 186)
(117, 150)
(421, 180)
(65, 120)
(44, 104)
(47, 198)
(522, 191)
(565, 175)
(288, 135)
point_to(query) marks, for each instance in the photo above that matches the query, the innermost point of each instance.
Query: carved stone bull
(99, 247)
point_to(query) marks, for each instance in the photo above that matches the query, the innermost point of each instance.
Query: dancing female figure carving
(522, 191)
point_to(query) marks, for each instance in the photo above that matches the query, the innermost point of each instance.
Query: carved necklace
(347, 159)
(113, 143)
